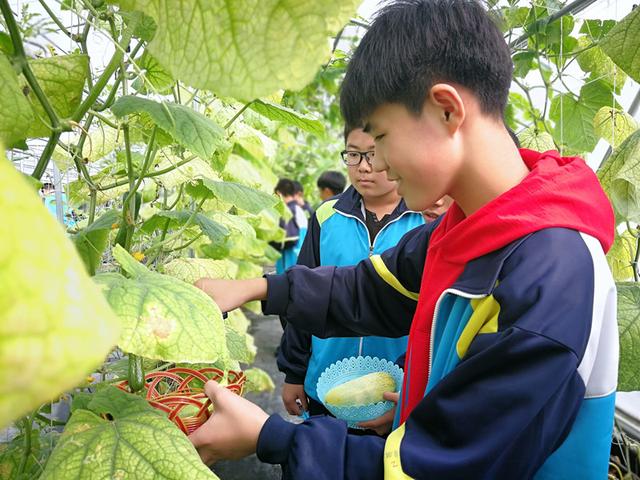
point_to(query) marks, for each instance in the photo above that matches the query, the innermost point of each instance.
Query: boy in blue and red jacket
(511, 366)
(368, 218)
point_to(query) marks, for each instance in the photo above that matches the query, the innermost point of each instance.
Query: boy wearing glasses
(368, 218)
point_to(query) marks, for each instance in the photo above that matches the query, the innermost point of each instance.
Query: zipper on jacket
(371, 247)
(454, 291)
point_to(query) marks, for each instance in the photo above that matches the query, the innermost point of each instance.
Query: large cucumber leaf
(54, 324)
(243, 197)
(163, 317)
(280, 113)
(629, 326)
(216, 231)
(118, 436)
(189, 128)
(191, 269)
(573, 117)
(620, 178)
(621, 44)
(16, 114)
(244, 49)
(614, 125)
(62, 79)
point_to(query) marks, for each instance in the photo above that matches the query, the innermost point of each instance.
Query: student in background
(367, 219)
(298, 194)
(330, 184)
(295, 228)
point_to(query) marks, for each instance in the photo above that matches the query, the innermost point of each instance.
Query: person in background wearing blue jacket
(512, 358)
(298, 194)
(367, 219)
(295, 228)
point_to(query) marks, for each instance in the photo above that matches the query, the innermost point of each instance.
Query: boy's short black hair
(334, 181)
(297, 187)
(285, 187)
(347, 130)
(413, 44)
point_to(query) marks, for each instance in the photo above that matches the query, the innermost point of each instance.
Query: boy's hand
(292, 392)
(231, 294)
(382, 425)
(232, 430)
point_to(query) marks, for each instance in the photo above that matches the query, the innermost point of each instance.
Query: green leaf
(245, 198)
(6, 46)
(54, 324)
(621, 256)
(596, 28)
(280, 113)
(536, 140)
(121, 435)
(91, 241)
(185, 173)
(629, 332)
(614, 125)
(240, 344)
(12, 454)
(574, 117)
(258, 381)
(620, 178)
(165, 318)
(191, 269)
(243, 171)
(189, 128)
(153, 74)
(245, 49)
(16, 114)
(595, 61)
(621, 44)
(212, 229)
(523, 62)
(62, 79)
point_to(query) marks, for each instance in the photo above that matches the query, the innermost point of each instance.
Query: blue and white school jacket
(338, 236)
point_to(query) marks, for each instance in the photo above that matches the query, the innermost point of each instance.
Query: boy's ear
(451, 107)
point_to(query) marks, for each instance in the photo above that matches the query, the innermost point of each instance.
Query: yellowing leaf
(62, 79)
(244, 48)
(163, 317)
(614, 125)
(119, 436)
(15, 112)
(55, 326)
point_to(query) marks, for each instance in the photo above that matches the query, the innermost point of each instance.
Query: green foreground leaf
(244, 49)
(121, 436)
(163, 317)
(54, 324)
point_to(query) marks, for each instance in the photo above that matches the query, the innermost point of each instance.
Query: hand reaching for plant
(382, 425)
(232, 430)
(292, 392)
(231, 294)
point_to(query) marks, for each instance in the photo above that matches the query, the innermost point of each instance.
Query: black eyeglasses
(352, 158)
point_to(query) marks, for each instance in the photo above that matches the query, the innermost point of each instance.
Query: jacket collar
(350, 203)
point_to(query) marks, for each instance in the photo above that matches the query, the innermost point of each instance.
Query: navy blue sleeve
(295, 344)
(356, 300)
(320, 448)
